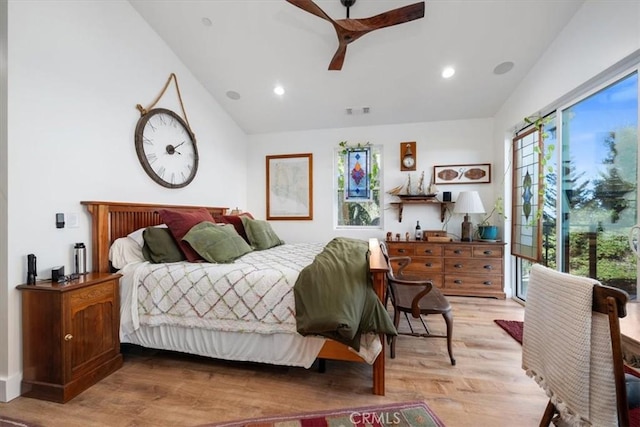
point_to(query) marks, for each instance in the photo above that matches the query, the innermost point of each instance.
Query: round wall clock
(166, 148)
(407, 156)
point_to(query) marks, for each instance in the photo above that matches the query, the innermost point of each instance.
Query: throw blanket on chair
(567, 348)
(335, 298)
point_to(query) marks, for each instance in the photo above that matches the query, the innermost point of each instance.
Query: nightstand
(70, 335)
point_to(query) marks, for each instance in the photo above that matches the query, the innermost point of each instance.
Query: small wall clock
(166, 148)
(408, 156)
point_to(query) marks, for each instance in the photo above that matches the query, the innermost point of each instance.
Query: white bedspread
(253, 294)
(240, 311)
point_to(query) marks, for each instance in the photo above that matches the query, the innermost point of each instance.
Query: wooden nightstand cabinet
(70, 335)
(456, 268)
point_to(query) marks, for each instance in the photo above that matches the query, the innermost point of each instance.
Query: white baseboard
(10, 387)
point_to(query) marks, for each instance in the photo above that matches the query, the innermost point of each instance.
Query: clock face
(166, 148)
(408, 162)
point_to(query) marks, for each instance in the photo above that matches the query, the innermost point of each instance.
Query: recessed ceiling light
(232, 94)
(503, 68)
(278, 90)
(206, 22)
(448, 72)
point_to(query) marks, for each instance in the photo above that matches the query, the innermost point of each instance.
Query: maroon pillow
(180, 222)
(236, 221)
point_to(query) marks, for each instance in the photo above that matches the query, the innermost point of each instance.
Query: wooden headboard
(112, 220)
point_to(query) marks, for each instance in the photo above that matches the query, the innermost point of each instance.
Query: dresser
(456, 268)
(70, 335)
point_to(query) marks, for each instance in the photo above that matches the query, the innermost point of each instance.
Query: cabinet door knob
(458, 265)
(68, 337)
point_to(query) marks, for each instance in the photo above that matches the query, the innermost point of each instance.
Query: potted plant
(487, 231)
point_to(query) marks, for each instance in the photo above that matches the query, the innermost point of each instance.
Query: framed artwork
(462, 174)
(290, 187)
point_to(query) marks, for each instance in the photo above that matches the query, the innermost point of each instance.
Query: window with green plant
(357, 183)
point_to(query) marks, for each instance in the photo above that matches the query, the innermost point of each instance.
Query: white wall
(76, 72)
(446, 142)
(4, 319)
(600, 34)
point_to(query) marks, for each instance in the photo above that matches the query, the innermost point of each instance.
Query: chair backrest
(572, 346)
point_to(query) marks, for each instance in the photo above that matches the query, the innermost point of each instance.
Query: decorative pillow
(159, 246)
(236, 221)
(180, 222)
(261, 235)
(217, 243)
(137, 235)
(124, 251)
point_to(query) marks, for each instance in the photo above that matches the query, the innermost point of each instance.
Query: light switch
(72, 220)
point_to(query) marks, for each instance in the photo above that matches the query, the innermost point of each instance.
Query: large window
(355, 207)
(591, 199)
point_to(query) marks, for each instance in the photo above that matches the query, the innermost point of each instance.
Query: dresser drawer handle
(488, 267)
(488, 252)
(428, 264)
(428, 251)
(458, 282)
(68, 337)
(457, 252)
(488, 283)
(401, 251)
(458, 265)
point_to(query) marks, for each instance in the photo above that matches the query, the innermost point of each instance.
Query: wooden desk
(630, 328)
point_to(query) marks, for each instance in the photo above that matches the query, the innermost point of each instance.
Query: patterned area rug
(411, 414)
(513, 328)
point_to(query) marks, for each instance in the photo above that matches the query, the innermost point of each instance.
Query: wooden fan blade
(311, 7)
(393, 17)
(338, 58)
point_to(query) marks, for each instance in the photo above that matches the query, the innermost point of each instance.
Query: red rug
(411, 414)
(514, 328)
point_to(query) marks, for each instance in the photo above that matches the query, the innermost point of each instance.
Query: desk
(630, 328)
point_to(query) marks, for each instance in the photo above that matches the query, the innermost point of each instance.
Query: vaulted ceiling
(246, 47)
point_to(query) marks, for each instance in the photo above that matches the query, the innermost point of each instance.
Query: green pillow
(160, 246)
(216, 243)
(260, 234)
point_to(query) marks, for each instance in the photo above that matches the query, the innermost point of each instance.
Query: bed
(114, 220)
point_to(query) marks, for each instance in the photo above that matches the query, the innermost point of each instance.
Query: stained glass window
(358, 174)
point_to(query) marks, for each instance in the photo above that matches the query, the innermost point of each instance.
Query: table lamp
(468, 202)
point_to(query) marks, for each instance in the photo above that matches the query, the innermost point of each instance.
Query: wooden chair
(617, 392)
(415, 296)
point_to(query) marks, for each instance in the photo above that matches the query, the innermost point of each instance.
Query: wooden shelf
(434, 201)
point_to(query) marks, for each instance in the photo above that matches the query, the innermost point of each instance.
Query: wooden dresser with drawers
(456, 268)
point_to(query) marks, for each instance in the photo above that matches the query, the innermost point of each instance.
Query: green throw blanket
(335, 297)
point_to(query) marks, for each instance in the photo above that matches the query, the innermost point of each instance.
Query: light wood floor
(487, 387)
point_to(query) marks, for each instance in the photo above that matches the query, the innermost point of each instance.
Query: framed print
(290, 187)
(462, 174)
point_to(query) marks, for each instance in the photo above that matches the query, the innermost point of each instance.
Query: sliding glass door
(591, 192)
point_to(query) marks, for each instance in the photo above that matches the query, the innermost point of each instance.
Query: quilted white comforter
(253, 294)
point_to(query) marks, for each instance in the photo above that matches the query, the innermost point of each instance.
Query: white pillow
(125, 250)
(137, 235)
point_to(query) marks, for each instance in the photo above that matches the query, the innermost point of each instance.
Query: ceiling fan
(349, 30)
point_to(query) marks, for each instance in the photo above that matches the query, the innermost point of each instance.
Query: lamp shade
(468, 202)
